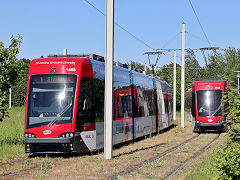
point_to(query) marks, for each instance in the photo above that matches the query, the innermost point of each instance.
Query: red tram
(65, 104)
(208, 104)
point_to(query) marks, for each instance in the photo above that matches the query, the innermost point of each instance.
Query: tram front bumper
(49, 145)
(200, 123)
(48, 140)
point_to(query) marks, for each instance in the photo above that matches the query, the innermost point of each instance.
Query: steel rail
(14, 173)
(192, 158)
(13, 162)
(153, 159)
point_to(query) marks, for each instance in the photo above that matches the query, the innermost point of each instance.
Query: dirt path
(124, 158)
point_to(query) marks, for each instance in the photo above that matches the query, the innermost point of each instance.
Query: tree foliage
(138, 65)
(19, 88)
(228, 161)
(166, 74)
(192, 66)
(8, 70)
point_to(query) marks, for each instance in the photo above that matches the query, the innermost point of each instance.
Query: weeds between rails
(13, 162)
(157, 157)
(15, 173)
(169, 151)
(192, 158)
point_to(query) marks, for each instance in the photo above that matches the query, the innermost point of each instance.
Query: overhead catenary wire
(124, 29)
(214, 50)
(171, 39)
(197, 37)
(199, 23)
(177, 67)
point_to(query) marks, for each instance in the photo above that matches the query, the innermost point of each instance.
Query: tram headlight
(29, 135)
(67, 135)
(221, 121)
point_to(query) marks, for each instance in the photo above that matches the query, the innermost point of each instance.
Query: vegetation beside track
(12, 135)
(12, 147)
(228, 159)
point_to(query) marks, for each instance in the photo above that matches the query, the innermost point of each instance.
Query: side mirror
(94, 72)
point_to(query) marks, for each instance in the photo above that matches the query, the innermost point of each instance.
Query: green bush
(228, 162)
(232, 112)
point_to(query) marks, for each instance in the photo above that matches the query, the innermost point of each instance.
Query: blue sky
(49, 26)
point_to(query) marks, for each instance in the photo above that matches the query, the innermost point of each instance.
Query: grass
(205, 169)
(12, 134)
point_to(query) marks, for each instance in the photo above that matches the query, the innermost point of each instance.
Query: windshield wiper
(59, 115)
(219, 107)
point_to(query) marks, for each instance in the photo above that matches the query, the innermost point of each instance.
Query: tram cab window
(193, 105)
(85, 110)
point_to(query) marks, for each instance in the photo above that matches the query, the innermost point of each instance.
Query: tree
(138, 65)
(19, 88)
(217, 62)
(8, 70)
(192, 65)
(166, 74)
(231, 59)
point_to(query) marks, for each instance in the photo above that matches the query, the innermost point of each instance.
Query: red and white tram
(65, 104)
(208, 105)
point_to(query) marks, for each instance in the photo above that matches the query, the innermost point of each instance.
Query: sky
(49, 26)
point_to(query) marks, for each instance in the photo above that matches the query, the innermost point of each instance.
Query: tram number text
(89, 136)
(71, 69)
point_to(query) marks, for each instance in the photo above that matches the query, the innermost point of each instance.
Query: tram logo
(210, 120)
(46, 132)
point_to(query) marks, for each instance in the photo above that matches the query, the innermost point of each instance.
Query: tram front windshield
(50, 99)
(209, 103)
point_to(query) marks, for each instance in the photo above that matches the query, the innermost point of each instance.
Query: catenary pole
(174, 85)
(183, 75)
(108, 101)
(238, 76)
(10, 98)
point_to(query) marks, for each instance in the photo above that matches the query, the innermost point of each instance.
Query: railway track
(15, 173)
(10, 164)
(14, 162)
(168, 152)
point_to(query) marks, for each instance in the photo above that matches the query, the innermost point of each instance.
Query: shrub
(228, 161)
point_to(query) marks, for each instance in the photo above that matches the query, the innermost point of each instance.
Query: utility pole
(183, 72)
(183, 75)
(108, 101)
(10, 98)
(174, 84)
(238, 76)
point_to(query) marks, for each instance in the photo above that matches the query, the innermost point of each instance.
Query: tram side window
(141, 101)
(170, 105)
(124, 106)
(146, 103)
(150, 109)
(166, 104)
(85, 110)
